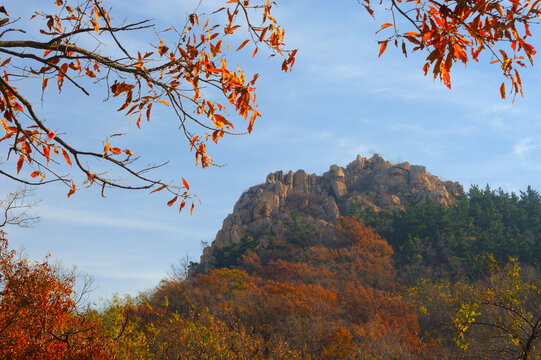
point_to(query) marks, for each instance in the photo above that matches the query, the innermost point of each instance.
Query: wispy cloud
(524, 146)
(95, 219)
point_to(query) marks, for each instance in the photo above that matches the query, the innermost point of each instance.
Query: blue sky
(340, 100)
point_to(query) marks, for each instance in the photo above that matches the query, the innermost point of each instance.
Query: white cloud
(524, 146)
(95, 219)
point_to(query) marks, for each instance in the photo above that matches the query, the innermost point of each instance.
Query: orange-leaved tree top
(39, 318)
(461, 30)
(65, 50)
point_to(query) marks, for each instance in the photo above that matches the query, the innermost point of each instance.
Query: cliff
(264, 208)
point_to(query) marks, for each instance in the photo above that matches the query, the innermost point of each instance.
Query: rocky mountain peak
(374, 182)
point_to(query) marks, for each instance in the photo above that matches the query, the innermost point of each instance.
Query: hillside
(371, 261)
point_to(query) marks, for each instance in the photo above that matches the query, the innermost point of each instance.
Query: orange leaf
(66, 156)
(382, 47)
(158, 189)
(106, 148)
(44, 84)
(255, 52)
(115, 150)
(185, 184)
(166, 103)
(71, 192)
(384, 26)
(243, 44)
(502, 90)
(35, 174)
(20, 163)
(191, 209)
(96, 26)
(172, 201)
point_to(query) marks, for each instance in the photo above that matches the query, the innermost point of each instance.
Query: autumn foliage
(39, 318)
(183, 70)
(336, 299)
(459, 31)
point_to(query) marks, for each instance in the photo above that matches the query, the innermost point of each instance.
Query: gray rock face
(364, 182)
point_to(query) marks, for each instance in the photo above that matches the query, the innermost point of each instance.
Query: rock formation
(364, 182)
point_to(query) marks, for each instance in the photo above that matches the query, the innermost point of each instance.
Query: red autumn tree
(39, 318)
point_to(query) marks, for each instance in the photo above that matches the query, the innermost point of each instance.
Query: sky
(339, 101)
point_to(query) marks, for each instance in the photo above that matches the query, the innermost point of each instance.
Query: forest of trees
(441, 287)
(433, 241)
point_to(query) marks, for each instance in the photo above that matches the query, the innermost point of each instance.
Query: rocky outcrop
(364, 182)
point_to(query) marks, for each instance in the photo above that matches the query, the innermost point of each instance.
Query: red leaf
(35, 174)
(172, 201)
(185, 184)
(20, 163)
(182, 204)
(46, 152)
